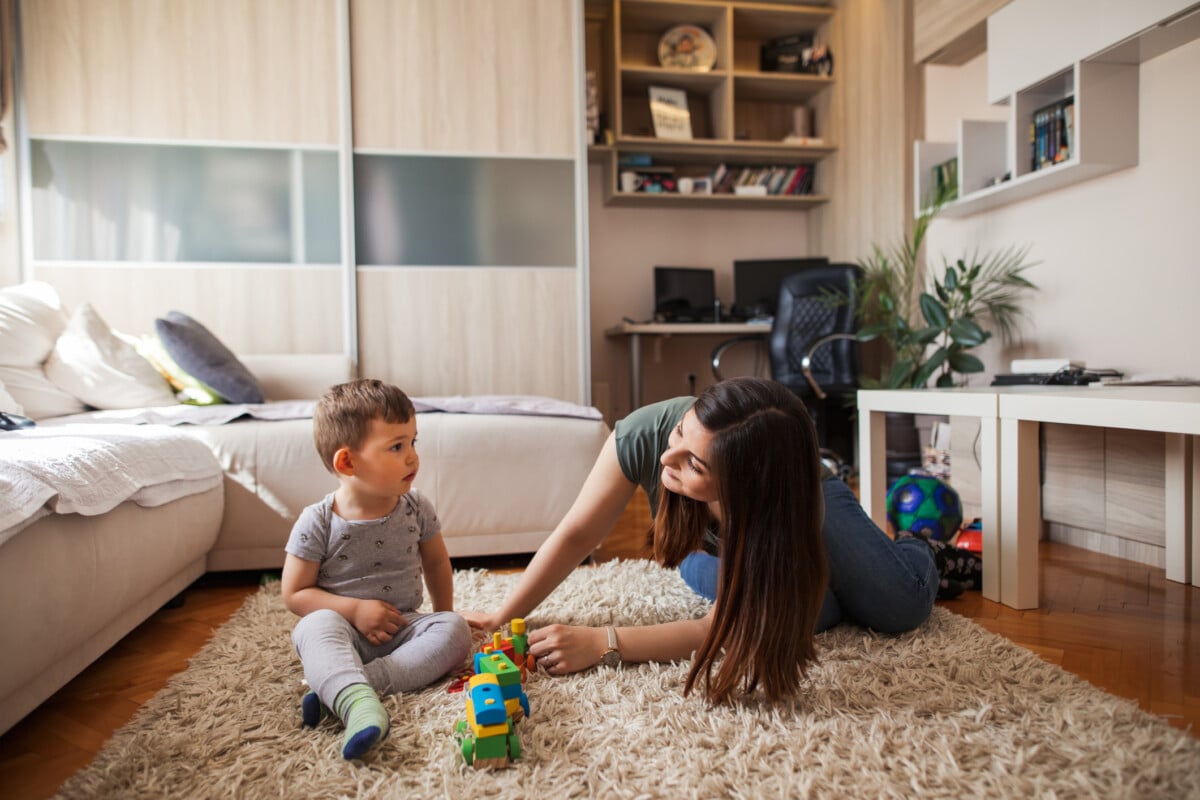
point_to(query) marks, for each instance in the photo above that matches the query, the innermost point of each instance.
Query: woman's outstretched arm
(600, 503)
(560, 649)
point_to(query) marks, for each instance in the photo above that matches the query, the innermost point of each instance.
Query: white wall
(625, 246)
(1119, 275)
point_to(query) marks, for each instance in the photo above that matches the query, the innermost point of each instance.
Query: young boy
(354, 565)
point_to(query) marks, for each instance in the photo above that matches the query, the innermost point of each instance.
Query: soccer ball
(925, 506)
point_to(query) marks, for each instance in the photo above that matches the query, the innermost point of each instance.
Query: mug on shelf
(686, 185)
(630, 182)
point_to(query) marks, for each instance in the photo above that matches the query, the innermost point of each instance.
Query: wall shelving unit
(739, 113)
(994, 163)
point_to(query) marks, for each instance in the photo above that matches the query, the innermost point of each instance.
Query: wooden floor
(1118, 625)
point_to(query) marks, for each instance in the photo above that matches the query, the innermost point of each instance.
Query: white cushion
(31, 319)
(40, 398)
(95, 365)
(8, 403)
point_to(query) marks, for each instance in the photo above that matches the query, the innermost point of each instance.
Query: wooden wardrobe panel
(232, 70)
(471, 331)
(1073, 475)
(1135, 480)
(250, 309)
(462, 76)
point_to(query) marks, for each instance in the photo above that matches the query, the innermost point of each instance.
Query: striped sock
(365, 719)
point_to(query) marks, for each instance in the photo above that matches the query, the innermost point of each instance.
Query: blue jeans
(888, 586)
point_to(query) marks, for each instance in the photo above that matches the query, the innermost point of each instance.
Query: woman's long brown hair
(766, 463)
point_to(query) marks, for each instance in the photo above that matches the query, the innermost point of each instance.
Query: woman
(734, 478)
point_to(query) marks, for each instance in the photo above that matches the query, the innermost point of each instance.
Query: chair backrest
(803, 315)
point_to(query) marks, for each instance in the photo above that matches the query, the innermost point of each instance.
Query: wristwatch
(611, 656)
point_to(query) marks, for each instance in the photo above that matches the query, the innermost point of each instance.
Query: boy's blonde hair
(344, 414)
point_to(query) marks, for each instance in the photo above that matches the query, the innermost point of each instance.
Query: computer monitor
(756, 283)
(684, 294)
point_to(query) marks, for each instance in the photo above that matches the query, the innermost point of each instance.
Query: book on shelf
(945, 179)
(772, 180)
(635, 160)
(1052, 134)
(669, 110)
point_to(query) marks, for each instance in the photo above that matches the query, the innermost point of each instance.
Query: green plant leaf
(926, 335)
(898, 377)
(951, 280)
(945, 380)
(922, 375)
(934, 312)
(965, 363)
(967, 332)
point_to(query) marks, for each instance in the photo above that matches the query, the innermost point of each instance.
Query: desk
(635, 331)
(1011, 478)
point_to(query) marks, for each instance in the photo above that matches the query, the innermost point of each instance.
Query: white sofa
(73, 585)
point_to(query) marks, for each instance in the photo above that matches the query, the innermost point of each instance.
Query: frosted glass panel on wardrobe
(102, 201)
(458, 211)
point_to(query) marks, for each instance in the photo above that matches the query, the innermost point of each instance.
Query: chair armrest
(806, 360)
(720, 349)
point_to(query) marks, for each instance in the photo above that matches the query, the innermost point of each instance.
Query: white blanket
(90, 469)
(527, 405)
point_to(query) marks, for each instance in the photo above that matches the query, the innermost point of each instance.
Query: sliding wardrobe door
(184, 155)
(469, 195)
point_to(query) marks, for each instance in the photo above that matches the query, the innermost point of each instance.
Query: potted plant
(928, 322)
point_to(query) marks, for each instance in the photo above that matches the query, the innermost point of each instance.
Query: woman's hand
(561, 649)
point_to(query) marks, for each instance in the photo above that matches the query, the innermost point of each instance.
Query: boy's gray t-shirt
(375, 559)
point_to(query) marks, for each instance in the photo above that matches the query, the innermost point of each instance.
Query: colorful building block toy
(486, 736)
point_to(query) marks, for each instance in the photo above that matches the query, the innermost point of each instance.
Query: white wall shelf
(995, 164)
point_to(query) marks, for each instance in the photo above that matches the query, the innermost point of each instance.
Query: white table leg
(1178, 506)
(1020, 513)
(989, 476)
(1194, 500)
(872, 465)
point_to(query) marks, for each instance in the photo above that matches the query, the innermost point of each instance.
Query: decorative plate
(687, 47)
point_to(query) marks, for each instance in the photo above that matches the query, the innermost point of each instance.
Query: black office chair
(814, 350)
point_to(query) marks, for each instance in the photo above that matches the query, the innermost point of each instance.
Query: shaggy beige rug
(948, 711)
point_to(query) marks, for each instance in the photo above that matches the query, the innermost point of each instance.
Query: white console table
(1011, 478)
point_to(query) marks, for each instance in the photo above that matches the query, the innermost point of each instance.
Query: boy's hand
(482, 622)
(377, 620)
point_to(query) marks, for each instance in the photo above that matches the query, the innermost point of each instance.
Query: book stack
(780, 180)
(1052, 134)
(945, 179)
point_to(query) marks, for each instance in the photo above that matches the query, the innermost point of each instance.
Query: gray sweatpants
(334, 654)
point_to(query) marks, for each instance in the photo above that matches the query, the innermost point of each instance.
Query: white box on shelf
(1044, 365)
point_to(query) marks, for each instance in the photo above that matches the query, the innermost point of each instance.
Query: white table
(1172, 410)
(1010, 474)
(872, 456)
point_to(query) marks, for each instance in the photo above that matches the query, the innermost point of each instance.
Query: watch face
(611, 659)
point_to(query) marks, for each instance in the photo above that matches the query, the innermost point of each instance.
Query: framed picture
(702, 186)
(669, 110)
